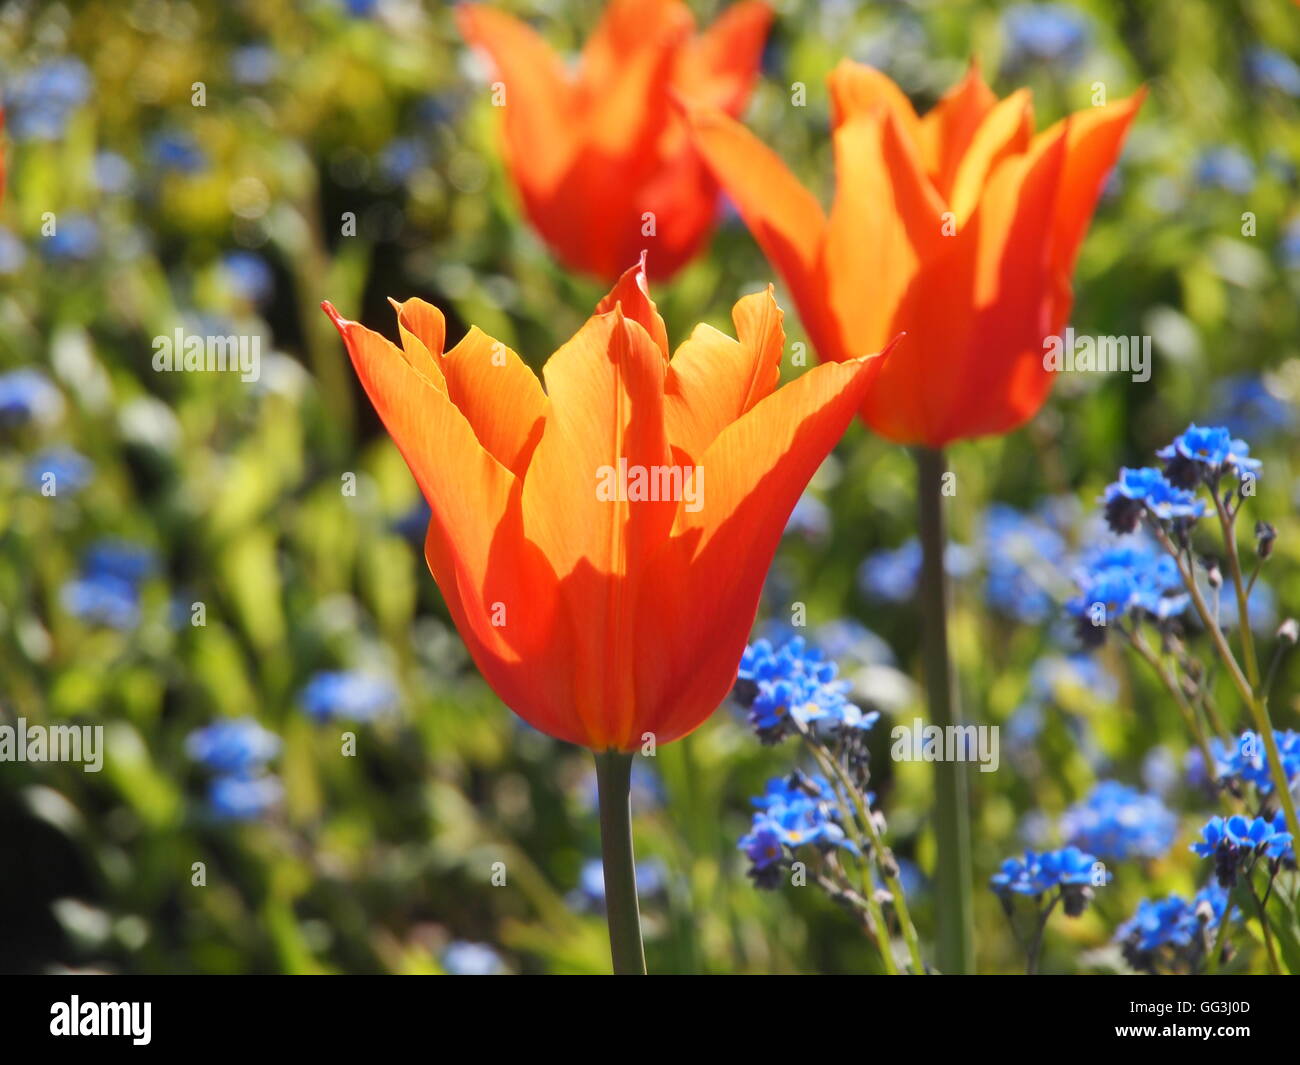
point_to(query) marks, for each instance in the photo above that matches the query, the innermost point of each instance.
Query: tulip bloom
(601, 158)
(601, 541)
(959, 228)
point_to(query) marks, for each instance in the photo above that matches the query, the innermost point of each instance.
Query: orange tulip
(602, 541)
(959, 228)
(601, 158)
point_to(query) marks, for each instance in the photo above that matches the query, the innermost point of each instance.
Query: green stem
(956, 943)
(1257, 706)
(1239, 585)
(880, 854)
(1171, 685)
(614, 786)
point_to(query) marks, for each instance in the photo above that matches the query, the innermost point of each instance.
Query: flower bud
(1265, 534)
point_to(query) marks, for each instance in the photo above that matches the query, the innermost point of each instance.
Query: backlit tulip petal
(601, 543)
(601, 156)
(785, 218)
(711, 572)
(957, 231)
(714, 379)
(948, 128)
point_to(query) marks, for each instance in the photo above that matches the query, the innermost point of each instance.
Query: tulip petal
(626, 28)
(886, 221)
(785, 218)
(710, 573)
(1016, 297)
(538, 96)
(1092, 149)
(719, 67)
(1007, 130)
(858, 90)
(423, 331)
(947, 129)
(632, 292)
(499, 395)
(502, 594)
(713, 380)
(605, 391)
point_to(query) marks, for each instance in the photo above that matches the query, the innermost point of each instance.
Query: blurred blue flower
(1289, 246)
(113, 174)
(1261, 609)
(248, 275)
(1012, 544)
(1037, 873)
(254, 64)
(75, 239)
(893, 575)
(810, 519)
(651, 880)
(1051, 675)
(1172, 922)
(347, 696)
(1048, 33)
(107, 589)
(1133, 577)
(1160, 770)
(1271, 69)
(176, 151)
(848, 640)
(1247, 762)
(1248, 404)
(402, 157)
(235, 746)
(240, 798)
(463, 958)
(13, 253)
(40, 101)
(28, 395)
(646, 790)
(1069, 868)
(71, 470)
(1117, 821)
(118, 558)
(1226, 168)
(102, 599)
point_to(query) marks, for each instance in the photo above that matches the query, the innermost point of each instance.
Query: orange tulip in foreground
(601, 158)
(959, 228)
(601, 541)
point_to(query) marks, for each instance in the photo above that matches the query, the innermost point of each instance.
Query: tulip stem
(955, 940)
(614, 786)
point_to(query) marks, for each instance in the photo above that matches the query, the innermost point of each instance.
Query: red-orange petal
(713, 379)
(708, 576)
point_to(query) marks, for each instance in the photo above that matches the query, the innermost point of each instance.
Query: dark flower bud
(1090, 636)
(1265, 534)
(1123, 514)
(1182, 472)
(1075, 898)
(745, 691)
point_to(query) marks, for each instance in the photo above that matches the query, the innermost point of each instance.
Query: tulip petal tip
(340, 323)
